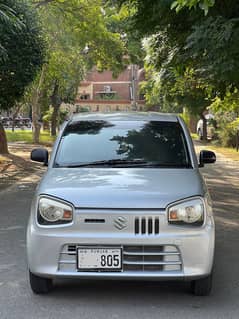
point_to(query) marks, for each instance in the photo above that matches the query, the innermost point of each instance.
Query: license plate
(99, 259)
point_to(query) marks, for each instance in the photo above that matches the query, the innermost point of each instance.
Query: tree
(207, 44)
(24, 54)
(8, 18)
(174, 88)
(83, 24)
(119, 21)
(200, 42)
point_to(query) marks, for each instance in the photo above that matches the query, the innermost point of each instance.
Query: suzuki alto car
(122, 199)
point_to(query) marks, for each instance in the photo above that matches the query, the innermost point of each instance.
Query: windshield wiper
(168, 165)
(111, 162)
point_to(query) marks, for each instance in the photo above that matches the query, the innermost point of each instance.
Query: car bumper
(184, 255)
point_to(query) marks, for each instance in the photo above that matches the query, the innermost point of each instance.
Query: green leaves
(9, 17)
(23, 50)
(11, 21)
(213, 44)
(203, 4)
(191, 49)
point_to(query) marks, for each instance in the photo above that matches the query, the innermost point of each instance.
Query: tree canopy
(191, 48)
(22, 50)
(8, 18)
(78, 35)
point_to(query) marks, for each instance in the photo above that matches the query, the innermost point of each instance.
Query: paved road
(103, 300)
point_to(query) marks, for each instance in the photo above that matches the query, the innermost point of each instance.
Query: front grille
(151, 258)
(146, 226)
(134, 258)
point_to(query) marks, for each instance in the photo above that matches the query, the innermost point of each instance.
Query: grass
(226, 151)
(26, 137)
(194, 136)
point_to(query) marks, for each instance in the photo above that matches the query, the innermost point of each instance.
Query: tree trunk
(204, 131)
(3, 140)
(56, 103)
(14, 116)
(36, 108)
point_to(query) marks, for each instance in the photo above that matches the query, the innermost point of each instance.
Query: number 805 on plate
(99, 259)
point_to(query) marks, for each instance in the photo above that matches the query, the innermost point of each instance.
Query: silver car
(122, 199)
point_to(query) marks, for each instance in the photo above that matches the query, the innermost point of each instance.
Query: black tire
(40, 285)
(202, 287)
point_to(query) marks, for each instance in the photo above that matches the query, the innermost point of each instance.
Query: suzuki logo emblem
(120, 222)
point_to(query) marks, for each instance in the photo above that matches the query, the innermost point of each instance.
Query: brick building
(100, 91)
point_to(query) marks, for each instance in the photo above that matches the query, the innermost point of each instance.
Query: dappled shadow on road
(17, 165)
(223, 182)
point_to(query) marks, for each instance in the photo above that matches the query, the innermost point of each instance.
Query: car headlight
(188, 212)
(53, 212)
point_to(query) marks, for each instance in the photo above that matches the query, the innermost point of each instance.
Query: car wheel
(40, 285)
(202, 287)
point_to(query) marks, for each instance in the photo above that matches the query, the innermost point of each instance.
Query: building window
(107, 88)
(84, 97)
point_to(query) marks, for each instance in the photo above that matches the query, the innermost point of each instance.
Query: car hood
(121, 187)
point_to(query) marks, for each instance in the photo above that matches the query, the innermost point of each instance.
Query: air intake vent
(146, 226)
(94, 221)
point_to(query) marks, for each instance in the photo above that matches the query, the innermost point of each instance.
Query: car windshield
(122, 143)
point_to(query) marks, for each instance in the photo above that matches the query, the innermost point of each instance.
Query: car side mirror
(40, 155)
(206, 157)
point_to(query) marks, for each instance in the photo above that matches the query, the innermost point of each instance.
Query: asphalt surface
(103, 300)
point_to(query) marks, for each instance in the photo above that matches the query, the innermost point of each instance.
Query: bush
(227, 135)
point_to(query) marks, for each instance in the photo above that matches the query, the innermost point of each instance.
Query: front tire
(202, 287)
(40, 285)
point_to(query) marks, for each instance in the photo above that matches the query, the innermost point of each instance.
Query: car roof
(125, 116)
